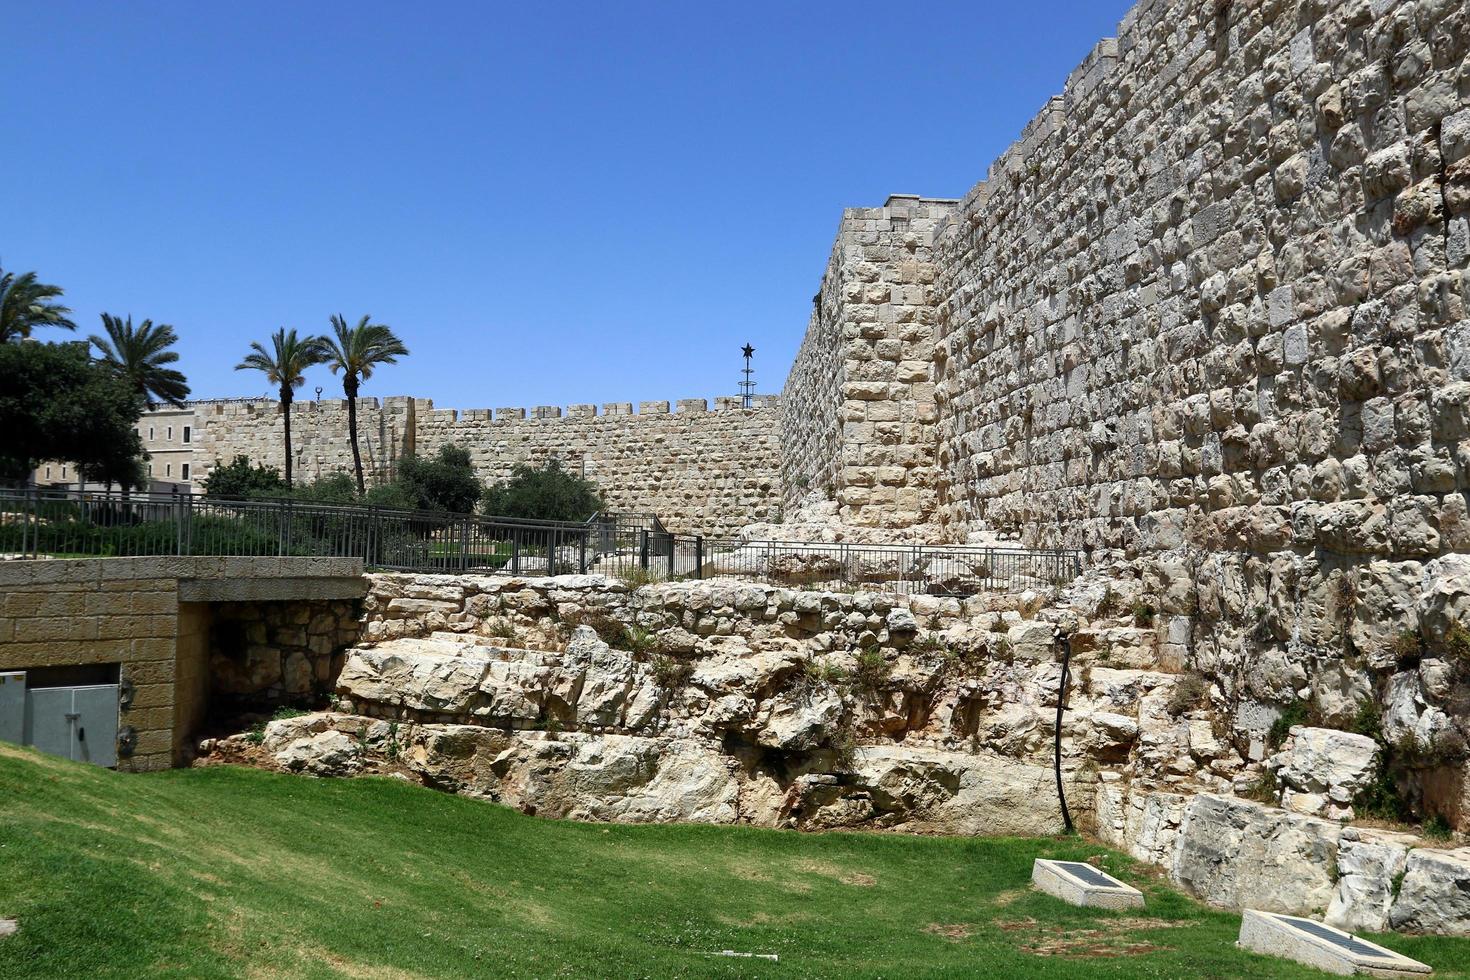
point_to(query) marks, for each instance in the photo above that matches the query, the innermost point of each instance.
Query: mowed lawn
(229, 872)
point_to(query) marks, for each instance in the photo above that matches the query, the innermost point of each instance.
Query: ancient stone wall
(700, 471)
(858, 419)
(1215, 294)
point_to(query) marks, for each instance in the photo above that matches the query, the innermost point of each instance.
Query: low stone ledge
(1306, 941)
(284, 588)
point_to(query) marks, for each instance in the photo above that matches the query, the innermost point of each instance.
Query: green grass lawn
(227, 872)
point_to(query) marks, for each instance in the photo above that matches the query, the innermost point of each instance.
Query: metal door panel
(94, 734)
(12, 706)
(46, 724)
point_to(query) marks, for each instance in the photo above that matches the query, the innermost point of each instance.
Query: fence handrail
(99, 522)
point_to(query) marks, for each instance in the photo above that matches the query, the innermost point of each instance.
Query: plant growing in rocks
(871, 671)
(671, 673)
(1144, 613)
(1189, 691)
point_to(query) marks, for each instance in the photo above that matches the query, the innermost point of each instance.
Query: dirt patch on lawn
(955, 931)
(1104, 939)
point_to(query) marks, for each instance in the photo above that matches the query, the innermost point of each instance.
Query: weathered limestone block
(1321, 770)
(1435, 894)
(1238, 854)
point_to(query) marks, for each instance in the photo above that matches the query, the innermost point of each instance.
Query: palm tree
(355, 352)
(285, 366)
(26, 304)
(139, 355)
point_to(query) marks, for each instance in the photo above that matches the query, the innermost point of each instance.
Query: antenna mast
(747, 387)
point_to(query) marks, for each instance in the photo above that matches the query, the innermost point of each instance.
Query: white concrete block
(1306, 941)
(1081, 884)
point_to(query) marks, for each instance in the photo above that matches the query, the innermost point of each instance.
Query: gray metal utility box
(75, 721)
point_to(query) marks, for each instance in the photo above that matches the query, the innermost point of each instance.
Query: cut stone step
(1081, 884)
(1315, 944)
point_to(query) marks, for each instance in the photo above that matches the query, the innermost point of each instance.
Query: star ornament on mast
(747, 387)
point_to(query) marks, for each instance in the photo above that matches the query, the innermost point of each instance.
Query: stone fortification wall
(700, 470)
(858, 418)
(226, 429)
(1215, 295)
(711, 472)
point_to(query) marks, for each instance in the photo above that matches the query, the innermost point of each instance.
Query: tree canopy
(139, 357)
(445, 481)
(242, 479)
(27, 303)
(56, 403)
(547, 493)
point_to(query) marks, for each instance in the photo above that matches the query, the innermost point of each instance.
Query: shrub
(241, 479)
(1143, 613)
(1297, 713)
(1266, 789)
(1457, 643)
(871, 671)
(609, 628)
(671, 673)
(547, 493)
(1408, 648)
(443, 482)
(638, 640)
(1368, 720)
(1188, 692)
(1437, 828)
(817, 673)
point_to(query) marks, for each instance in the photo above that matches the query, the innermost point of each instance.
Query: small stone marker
(8, 927)
(1081, 884)
(1307, 941)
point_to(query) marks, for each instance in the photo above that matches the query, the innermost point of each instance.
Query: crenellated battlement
(238, 407)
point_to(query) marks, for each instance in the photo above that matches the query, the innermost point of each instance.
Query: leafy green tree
(138, 356)
(285, 367)
(56, 403)
(445, 482)
(26, 304)
(356, 351)
(547, 493)
(243, 479)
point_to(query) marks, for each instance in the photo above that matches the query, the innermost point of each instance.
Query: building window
(48, 472)
(184, 470)
(170, 435)
(150, 433)
(187, 434)
(63, 472)
(168, 469)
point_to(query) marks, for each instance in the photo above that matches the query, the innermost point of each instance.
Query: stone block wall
(159, 620)
(858, 416)
(226, 429)
(700, 470)
(1215, 294)
(63, 616)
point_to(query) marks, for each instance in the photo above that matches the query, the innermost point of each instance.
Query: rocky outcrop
(730, 702)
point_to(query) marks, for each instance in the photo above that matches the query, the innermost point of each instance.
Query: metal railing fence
(70, 523)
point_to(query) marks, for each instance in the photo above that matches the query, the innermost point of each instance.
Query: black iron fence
(70, 523)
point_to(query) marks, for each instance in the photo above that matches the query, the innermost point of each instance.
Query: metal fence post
(582, 553)
(673, 551)
(643, 550)
(699, 556)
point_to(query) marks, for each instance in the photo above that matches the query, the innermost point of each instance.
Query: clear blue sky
(551, 202)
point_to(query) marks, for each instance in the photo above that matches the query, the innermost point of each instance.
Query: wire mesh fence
(69, 523)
